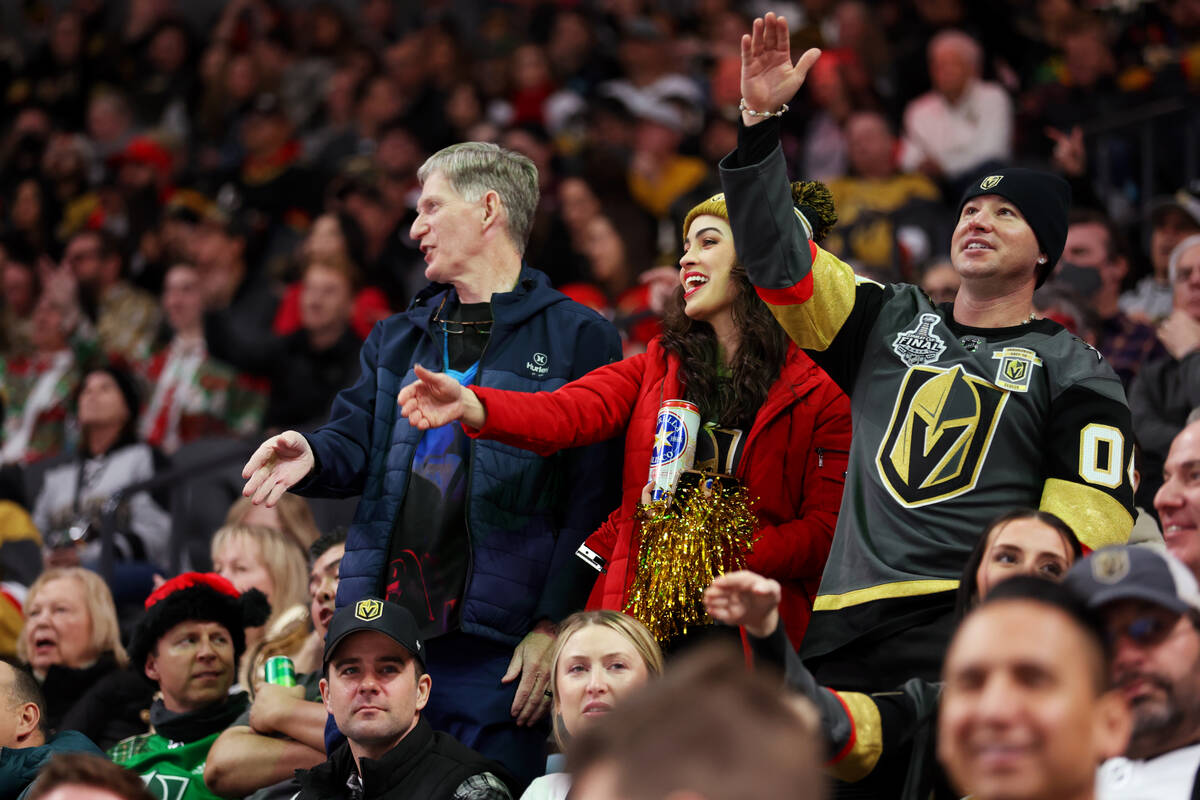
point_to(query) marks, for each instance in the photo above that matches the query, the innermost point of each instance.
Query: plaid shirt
(484, 786)
(1127, 345)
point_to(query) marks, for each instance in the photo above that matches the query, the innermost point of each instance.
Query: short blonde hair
(295, 516)
(628, 627)
(280, 554)
(106, 632)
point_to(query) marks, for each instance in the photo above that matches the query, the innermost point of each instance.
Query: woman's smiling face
(706, 264)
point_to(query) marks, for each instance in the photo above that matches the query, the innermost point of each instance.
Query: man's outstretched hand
(435, 399)
(745, 598)
(278, 464)
(769, 79)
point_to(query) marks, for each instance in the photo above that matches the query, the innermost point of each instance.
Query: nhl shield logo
(368, 610)
(920, 345)
(990, 181)
(1110, 566)
(1016, 367)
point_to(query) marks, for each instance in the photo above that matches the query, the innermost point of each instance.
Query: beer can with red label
(674, 445)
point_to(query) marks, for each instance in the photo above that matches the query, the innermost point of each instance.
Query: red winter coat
(794, 462)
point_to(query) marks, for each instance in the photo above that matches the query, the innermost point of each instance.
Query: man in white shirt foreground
(1151, 607)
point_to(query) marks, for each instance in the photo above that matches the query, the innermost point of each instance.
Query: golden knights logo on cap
(990, 181)
(1016, 367)
(368, 610)
(1110, 566)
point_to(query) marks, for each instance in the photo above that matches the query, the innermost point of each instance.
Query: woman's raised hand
(745, 598)
(435, 399)
(769, 79)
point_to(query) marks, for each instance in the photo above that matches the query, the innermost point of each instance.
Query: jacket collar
(376, 774)
(530, 296)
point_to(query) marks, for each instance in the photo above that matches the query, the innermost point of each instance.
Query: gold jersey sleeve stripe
(862, 751)
(813, 323)
(884, 591)
(1098, 518)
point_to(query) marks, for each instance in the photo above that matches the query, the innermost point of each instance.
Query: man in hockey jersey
(960, 411)
(188, 642)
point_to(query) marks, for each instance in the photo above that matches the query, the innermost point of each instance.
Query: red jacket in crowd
(793, 462)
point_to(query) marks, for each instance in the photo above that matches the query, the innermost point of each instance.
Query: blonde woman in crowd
(599, 657)
(274, 562)
(70, 639)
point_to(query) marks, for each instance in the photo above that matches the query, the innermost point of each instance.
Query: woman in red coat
(770, 416)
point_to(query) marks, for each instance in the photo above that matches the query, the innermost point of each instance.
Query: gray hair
(966, 46)
(475, 168)
(1177, 254)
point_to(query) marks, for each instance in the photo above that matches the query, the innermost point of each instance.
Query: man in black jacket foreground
(375, 686)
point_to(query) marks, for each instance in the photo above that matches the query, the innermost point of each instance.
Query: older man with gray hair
(965, 123)
(1166, 391)
(472, 537)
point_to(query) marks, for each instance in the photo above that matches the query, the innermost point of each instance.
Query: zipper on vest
(470, 480)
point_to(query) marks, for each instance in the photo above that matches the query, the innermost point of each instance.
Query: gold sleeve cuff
(1098, 519)
(866, 746)
(813, 323)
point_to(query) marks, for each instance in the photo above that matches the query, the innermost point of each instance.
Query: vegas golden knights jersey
(952, 425)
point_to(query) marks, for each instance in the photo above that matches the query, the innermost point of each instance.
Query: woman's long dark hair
(968, 586)
(733, 401)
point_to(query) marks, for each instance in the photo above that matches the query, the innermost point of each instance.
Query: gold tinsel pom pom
(684, 545)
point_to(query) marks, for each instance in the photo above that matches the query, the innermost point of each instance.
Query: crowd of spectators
(219, 195)
(206, 207)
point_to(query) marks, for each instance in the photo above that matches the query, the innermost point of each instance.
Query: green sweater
(174, 769)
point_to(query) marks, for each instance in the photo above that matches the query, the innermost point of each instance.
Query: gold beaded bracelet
(747, 110)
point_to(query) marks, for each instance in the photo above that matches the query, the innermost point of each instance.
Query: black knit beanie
(1043, 199)
(203, 596)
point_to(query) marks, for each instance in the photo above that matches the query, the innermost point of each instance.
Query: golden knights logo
(1109, 566)
(939, 436)
(990, 181)
(1016, 367)
(920, 345)
(368, 610)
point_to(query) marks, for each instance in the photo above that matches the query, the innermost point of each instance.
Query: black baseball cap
(373, 614)
(1125, 572)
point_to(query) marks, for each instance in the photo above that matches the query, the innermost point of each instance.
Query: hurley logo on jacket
(539, 365)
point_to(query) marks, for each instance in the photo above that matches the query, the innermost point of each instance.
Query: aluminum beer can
(674, 445)
(280, 671)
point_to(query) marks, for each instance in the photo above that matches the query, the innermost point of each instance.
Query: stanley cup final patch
(1016, 367)
(920, 345)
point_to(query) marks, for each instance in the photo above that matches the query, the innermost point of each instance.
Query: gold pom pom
(705, 532)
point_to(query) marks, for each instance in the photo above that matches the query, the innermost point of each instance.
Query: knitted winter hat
(203, 596)
(812, 200)
(1042, 198)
